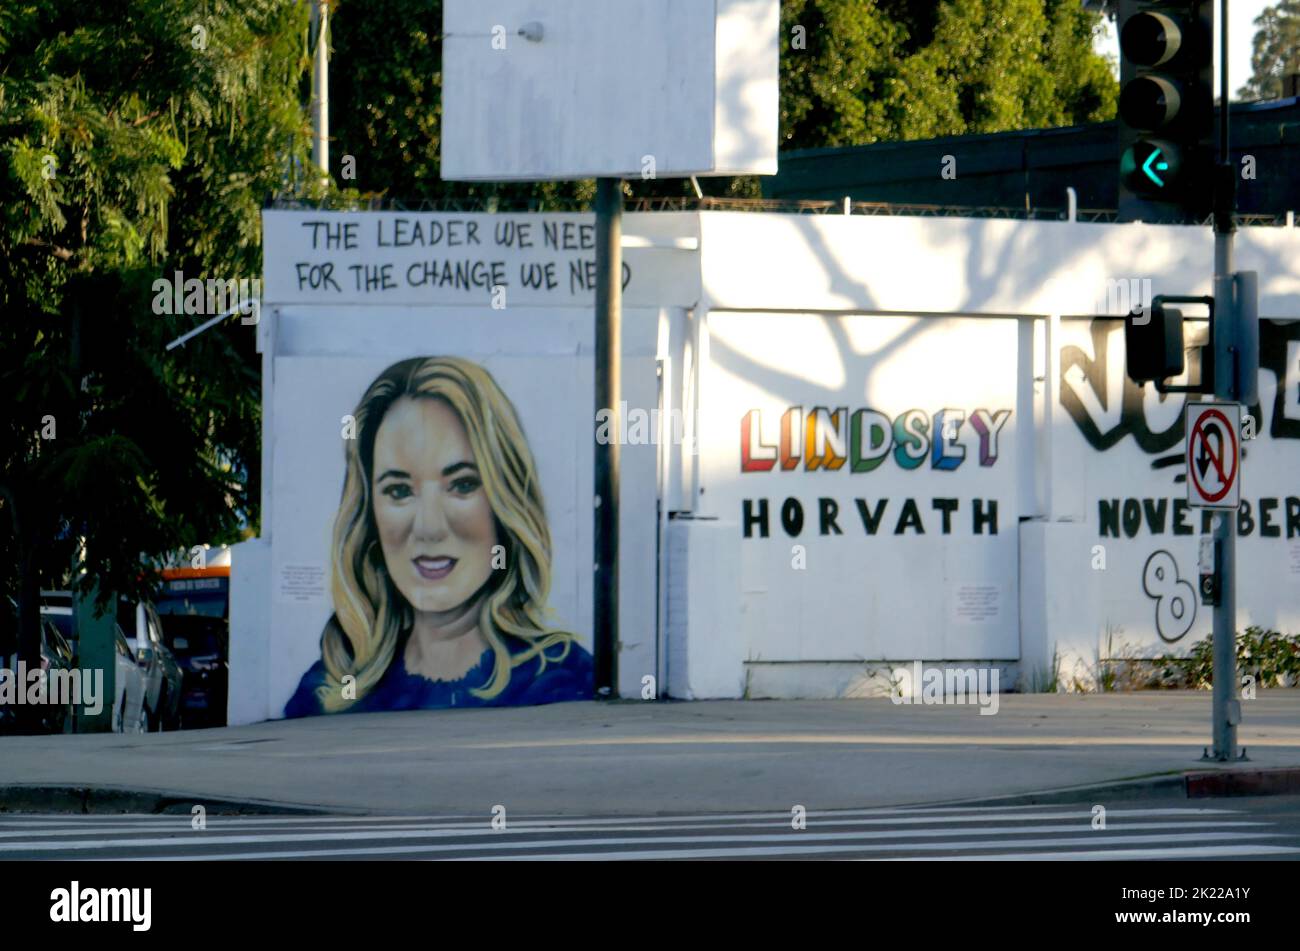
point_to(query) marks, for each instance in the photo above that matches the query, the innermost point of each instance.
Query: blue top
(568, 679)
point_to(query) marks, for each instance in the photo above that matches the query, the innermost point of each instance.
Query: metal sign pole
(609, 359)
(320, 89)
(1226, 712)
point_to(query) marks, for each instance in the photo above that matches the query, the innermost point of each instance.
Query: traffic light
(1153, 344)
(1166, 111)
(1154, 347)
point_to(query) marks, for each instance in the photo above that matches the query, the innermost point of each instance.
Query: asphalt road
(1231, 829)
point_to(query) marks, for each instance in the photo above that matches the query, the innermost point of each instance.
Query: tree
(950, 68)
(137, 138)
(1275, 51)
(837, 63)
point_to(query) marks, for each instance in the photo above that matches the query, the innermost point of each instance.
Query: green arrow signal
(1161, 166)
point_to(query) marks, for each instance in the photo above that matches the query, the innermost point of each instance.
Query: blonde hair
(370, 614)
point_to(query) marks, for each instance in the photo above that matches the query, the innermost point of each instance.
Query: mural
(1137, 501)
(1175, 598)
(1107, 406)
(914, 438)
(868, 480)
(440, 556)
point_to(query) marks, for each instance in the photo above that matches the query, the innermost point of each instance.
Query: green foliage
(1121, 669)
(838, 90)
(1044, 679)
(957, 67)
(1108, 674)
(1270, 657)
(1275, 50)
(132, 145)
(1273, 659)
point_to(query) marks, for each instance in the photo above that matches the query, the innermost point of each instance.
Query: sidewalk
(642, 758)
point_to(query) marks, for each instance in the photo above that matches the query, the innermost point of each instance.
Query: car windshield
(56, 640)
(8, 629)
(206, 605)
(62, 623)
(123, 647)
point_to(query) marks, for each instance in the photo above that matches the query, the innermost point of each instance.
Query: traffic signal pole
(1169, 173)
(1226, 712)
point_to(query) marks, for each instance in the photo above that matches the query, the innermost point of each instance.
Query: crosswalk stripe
(184, 840)
(896, 811)
(213, 830)
(734, 851)
(774, 851)
(11, 827)
(1176, 853)
(959, 833)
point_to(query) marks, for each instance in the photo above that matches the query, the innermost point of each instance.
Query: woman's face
(435, 525)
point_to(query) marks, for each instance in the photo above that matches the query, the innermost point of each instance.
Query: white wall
(969, 265)
(783, 295)
(1122, 450)
(744, 311)
(416, 258)
(247, 698)
(897, 583)
(327, 343)
(706, 619)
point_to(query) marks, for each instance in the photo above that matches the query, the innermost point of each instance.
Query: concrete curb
(1244, 782)
(1191, 784)
(110, 800)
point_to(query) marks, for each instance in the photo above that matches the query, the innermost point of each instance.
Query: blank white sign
(619, 88)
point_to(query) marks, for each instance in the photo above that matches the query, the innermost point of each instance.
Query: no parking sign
(1214, 455)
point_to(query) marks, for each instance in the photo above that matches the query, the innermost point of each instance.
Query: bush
(1273, 659)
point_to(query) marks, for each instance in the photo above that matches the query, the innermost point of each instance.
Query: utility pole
(608, 359)
(320, 87)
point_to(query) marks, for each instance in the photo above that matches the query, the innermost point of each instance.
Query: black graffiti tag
(1175, 598)
(1096, 375)
(1088, 390)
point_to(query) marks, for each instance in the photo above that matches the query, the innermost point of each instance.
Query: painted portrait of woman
(441, 556)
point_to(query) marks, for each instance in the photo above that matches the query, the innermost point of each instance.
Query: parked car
(56, 655)
(199, 643)
(139, 622)
(56, 606)
(131, 689)
(130, 686)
